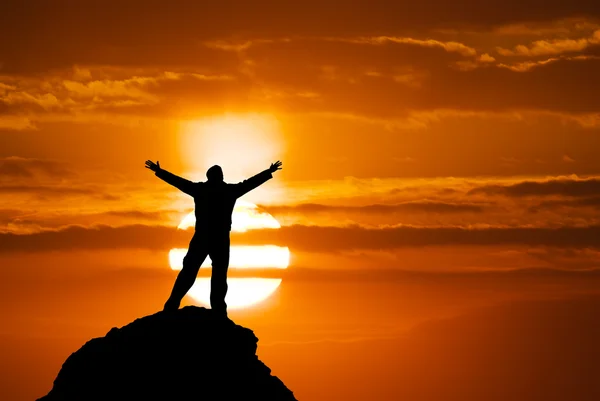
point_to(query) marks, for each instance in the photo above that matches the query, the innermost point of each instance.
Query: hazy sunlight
(243, 292)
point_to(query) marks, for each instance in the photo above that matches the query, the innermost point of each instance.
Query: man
(214, 201)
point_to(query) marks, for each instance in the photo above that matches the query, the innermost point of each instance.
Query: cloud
(384, 274)
(137, 71)
(529, 65)
(16, 97)
(79, 92)
(553, 47)
(564, 26)
(20, 167)
(449, 46)
(139, 215)
(334, 239)
(434, 83)
(9, 214)
(476, 202)
(303, 238)
(135, 87)
(412, 83)
(587, 202)
(82, 214)
(101, 237)
(572, 187)
(412, 206)
(130, 88)
(17, 123)
(241, 45)
(43, 192)
(284, 55)
(78, 27)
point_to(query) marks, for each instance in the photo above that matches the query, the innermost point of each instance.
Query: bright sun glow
(242, 144)
(242, 256)
(243, 292)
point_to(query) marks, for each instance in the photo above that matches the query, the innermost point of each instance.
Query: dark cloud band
(561, 187)
(303, 238)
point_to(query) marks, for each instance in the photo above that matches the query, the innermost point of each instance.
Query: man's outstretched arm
(257, 180)
(180, 183)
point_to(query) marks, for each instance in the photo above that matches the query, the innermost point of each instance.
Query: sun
(243, 292)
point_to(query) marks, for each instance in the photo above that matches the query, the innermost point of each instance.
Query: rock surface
(189, 354)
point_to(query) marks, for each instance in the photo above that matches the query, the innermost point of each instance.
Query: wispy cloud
(529, 65)
(566, 186)
(412, 206)
(552, 47)
(449, 46)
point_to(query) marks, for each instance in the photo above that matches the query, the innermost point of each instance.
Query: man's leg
(219, 254)
(192, 261)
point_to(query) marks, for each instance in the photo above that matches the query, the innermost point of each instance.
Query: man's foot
(222, 313)
(171, 306)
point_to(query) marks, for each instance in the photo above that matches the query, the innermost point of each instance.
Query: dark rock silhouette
(188, 354)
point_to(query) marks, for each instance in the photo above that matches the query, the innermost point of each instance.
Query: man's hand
(153, 166)
(275, 166)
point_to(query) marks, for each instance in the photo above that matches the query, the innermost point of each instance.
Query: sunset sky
(439, 197)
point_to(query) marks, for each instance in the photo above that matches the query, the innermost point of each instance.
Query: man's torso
(214, 205)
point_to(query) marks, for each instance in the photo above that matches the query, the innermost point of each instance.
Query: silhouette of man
(214, 201)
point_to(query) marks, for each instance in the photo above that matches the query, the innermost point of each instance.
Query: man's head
(214, 174)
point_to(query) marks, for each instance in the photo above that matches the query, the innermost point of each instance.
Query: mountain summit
(188, 354)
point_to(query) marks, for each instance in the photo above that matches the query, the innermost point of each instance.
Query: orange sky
(438, 158)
